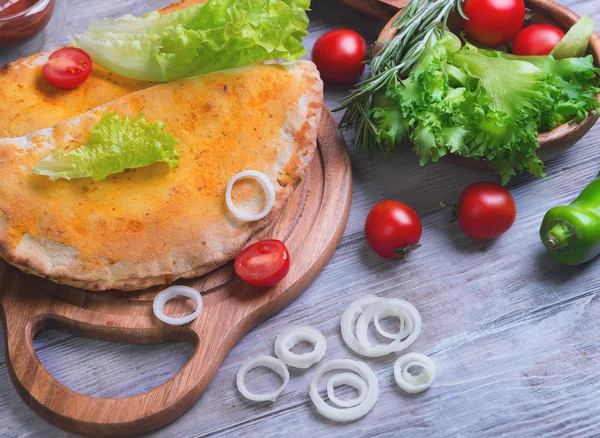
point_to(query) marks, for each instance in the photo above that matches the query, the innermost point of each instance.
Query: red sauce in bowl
(20, 20)
(12, 7)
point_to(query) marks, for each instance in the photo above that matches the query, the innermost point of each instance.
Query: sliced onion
(370, 308)
(172, 292)
(269, 362)
(349, 318)
(266, 185)
(399, 308)
(349, 379)
(406, 325)
(418, 383)
(355, 412)
(291, 336)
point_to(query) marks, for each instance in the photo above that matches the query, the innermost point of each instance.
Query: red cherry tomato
(393, 229)
(67, 68)
(339, 56)
(537, 40)
(263, 263)
(493, 22)
(486, 211)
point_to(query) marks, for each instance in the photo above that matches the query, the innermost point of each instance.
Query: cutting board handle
(311, 224)
(108, 416)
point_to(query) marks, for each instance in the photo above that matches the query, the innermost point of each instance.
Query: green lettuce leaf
(218, 35)
(116, 143)
(150, 22)
(483, 104)
(574, 89)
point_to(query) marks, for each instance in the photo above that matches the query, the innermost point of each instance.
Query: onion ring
(269, 362)
(266, 185)
(349, 379)
(355, 412)
(406, 326)
(290, 337)
(371, 308)
(172, 292)
(408, 382)
(349, 318)
(403, 309)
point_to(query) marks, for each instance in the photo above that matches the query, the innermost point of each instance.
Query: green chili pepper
(572, 233)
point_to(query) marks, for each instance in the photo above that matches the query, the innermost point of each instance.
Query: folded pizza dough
(151, 226)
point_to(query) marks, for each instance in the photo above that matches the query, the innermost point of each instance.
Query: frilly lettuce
(218, 35)
(116, 143)
(484, 105)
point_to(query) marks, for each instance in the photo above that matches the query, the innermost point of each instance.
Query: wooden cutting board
(311, 224)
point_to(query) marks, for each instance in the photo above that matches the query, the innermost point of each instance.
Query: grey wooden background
(516, 336)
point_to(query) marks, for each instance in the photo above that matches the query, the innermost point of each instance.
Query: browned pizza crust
(150, 226)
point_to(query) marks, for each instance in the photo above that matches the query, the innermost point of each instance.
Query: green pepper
(572, 233)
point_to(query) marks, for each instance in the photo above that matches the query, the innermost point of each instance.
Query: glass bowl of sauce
(21, 20)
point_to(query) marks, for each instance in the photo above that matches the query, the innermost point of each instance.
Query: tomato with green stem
(393, 229)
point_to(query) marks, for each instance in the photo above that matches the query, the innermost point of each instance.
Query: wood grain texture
(514, 335)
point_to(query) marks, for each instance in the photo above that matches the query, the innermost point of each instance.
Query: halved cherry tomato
(263, 263)
(393, 229)
(339, 56)
(68, 68)
(486, 211)
(537, 40)
(493, 22)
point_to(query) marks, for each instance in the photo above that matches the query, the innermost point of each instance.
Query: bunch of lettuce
(217, 35)
(116, 143)
(484, 104)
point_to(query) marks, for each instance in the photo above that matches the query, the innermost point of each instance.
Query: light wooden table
(515, 335)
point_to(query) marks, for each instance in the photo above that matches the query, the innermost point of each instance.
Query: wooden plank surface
(514, 335)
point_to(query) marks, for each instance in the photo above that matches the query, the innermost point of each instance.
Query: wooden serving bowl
(561, 138)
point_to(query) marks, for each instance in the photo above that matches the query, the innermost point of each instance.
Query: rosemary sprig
(417, 23)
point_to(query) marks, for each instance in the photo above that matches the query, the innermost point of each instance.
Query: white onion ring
(355, 412)
(349, 379)
(172, 292)
(269, 362)
(369, 308)
(403, 310)
(290, 337)
(266, 185)
(408, 382)
(349, 318)
(406, 326)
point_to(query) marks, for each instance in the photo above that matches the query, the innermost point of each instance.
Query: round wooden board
(311, 224)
